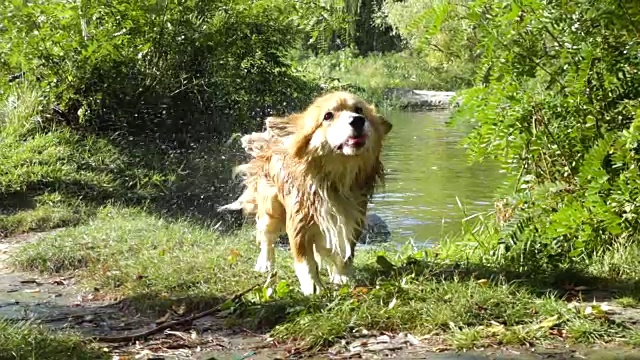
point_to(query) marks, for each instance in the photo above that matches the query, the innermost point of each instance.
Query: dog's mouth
(356, 141)
(352, 145)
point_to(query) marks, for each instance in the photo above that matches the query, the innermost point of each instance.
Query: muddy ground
(58, 303)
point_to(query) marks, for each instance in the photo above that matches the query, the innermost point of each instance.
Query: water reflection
(427, 168)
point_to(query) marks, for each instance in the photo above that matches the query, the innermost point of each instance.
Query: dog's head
(338, 123)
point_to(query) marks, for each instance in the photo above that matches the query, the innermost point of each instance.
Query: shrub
(178, 71)
(132, 101)
(557, 102)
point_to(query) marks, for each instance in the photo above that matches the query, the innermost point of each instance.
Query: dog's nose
(357, 123)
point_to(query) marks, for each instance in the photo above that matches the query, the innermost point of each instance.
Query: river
(427, 167)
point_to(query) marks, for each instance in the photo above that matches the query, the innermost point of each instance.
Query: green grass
(49, 211)
(128, 252)
(28, 341)
(628, 302)
(375, 73)
(157, 263)
(56, 177)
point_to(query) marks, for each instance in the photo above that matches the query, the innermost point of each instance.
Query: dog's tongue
(356, 140)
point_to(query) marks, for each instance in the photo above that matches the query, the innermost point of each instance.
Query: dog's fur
(312, 176)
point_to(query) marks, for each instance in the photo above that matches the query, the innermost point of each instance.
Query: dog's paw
(339, 279)
(263, 267)
(310, 288)
(264, 264)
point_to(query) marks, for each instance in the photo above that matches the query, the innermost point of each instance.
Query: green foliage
(170, 66)
(557, 102)
(340, 24)
(132, 101)
(438, 31)
(28, 341)
(375, 73)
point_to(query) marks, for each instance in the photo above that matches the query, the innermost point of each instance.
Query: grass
(48, 211)
(628, 302)
(128, 252)
(57, 177)
(29, 341)
(157, 263)
(373, 74)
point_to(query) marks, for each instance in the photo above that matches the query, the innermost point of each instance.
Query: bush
(557, 102)
(132, 101)
(439, 32)
(375, 73)
(181, 72)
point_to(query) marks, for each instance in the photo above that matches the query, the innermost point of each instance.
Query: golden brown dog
(312, 176)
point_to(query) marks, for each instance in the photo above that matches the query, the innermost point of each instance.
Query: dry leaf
(233, 256)
(179, 309)
(58, 281)
(360, 290)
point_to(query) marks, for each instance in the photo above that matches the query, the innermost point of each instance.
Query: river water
(427, 167)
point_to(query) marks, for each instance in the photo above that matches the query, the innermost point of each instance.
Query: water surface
(427, 168)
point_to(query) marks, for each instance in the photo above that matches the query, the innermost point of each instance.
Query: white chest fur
(338, 217)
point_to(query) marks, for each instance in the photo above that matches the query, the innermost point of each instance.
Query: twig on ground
(159, 328)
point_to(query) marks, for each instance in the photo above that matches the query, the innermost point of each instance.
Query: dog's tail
(236, 205)
(246, 202)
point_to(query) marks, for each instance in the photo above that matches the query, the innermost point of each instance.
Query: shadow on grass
(565, 283)
(174, 184)
(262, 316)
(322, 320)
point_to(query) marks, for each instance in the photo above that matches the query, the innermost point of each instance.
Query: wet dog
(312, 176)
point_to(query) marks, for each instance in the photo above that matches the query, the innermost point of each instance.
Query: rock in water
(421, 99)
(376, 230)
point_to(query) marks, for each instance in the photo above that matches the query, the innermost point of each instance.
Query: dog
(312, 175)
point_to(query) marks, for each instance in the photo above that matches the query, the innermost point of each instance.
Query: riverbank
(390, 79)
(131, 267)
(159, 270)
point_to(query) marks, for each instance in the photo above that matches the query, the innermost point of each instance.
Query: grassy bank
(27, 341)
(371, 75)
(156, 264)
(117, 133)
(56, 176)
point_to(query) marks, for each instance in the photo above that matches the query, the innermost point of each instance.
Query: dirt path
(60, 304)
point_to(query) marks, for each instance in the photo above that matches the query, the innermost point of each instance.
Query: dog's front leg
(266, 235)
(340, 269)
(301, 240)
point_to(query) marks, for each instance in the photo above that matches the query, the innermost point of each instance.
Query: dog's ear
(292, 130)
(280, 126)
(386, 125)
(300, 144)
(302, 134)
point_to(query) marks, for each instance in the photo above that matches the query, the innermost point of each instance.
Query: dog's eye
(328, 116)
(358, 110)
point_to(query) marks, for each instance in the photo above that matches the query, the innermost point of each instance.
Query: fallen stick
(159, 328)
